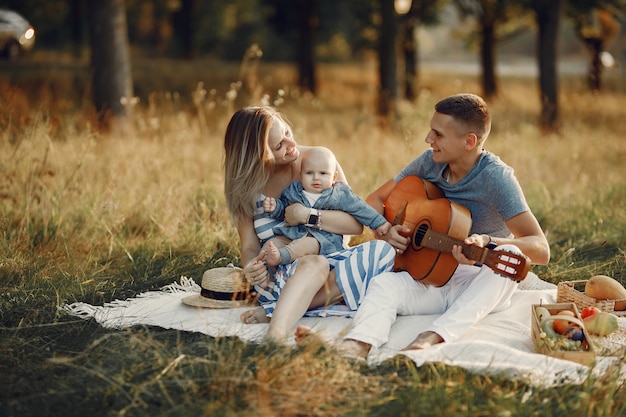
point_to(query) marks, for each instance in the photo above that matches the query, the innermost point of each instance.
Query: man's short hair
(469, 110)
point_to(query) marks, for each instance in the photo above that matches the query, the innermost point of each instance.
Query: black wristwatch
(313, 218)
(492, 243)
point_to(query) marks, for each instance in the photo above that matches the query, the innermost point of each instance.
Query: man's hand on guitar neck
(477, 240)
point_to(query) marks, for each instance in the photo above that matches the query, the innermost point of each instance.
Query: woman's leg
(328, 294)
(309, 283)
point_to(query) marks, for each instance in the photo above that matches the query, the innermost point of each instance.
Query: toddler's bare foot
(424, 340)
(255, 316)
(273, 255)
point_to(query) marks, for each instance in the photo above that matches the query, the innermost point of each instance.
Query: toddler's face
(318, 173)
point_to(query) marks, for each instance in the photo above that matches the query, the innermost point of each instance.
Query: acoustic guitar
(437, 224)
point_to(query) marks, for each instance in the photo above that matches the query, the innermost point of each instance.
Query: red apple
(589, 311)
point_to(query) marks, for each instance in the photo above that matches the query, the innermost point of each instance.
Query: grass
(92, 217)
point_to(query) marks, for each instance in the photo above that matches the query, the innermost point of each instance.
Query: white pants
(470, 295)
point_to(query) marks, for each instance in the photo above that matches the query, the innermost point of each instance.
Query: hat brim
(197, 300)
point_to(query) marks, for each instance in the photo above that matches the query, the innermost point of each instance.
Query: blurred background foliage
(346, 29)
(220, 28)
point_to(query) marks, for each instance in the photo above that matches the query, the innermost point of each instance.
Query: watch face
(312, 219)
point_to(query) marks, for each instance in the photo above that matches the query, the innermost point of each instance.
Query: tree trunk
(183, 23)
(306, 52)
(597, 30)
(548, 16)
(409, 48)
(110, 61)
(387, 58)
(488, 60)
(76, 16)
(595, 68)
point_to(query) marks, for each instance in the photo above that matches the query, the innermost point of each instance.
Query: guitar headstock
(508, 264)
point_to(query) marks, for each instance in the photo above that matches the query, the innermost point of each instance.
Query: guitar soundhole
(419, 234)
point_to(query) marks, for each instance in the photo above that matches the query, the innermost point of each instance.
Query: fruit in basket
(601, 324)
(574, 340)
(561, 325)
(542, 313)
(589, 311)
(574, 332)
(602, 287)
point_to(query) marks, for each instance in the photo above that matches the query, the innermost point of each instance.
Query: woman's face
(280, 141)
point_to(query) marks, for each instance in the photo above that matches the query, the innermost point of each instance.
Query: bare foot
(272, 336)
(255, 316)
(273, 257)
(306, 334)
(348, 348)
(424, 340)
(354, 348)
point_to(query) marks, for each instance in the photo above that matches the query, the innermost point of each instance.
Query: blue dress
(354, 268)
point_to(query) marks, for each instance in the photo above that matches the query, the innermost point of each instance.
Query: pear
(601, 323)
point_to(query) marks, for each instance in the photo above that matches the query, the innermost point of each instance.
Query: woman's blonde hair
(248, 160)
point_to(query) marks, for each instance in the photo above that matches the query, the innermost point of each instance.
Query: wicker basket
(584, 357)
(574, 292)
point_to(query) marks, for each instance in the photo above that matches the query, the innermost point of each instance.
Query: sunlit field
(91, 216)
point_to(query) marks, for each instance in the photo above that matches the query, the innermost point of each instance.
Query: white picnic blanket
(500, 344)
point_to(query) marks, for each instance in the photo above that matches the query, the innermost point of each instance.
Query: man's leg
(390, 294)
(477, 292)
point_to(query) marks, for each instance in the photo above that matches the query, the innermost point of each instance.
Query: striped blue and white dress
(354, 269)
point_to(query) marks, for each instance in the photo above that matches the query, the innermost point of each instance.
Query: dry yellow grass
(163, 181)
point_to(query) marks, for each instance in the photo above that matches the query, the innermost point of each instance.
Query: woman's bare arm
(250, 245)
(254, 268)
(333, 221)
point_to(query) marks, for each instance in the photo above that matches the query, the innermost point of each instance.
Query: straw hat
(222, 288)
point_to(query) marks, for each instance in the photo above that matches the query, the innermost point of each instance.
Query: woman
(261, 159)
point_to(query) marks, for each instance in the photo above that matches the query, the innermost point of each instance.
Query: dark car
(17, 36)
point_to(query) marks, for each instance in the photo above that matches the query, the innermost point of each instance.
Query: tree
(306, 51)
(548, 18)
(596, 25)
(183, 23)
(76, 13)
(424, 11)
(493, 19)
(110, 61)
(387, 58)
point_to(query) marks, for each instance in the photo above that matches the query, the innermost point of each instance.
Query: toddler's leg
(307, 245)
(278, 254)
(272, 248)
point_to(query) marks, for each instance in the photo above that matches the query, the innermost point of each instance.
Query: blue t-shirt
(489, 191)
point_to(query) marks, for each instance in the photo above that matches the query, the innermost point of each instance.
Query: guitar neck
(443, 243)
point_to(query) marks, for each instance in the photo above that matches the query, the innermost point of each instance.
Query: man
(478, 180)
